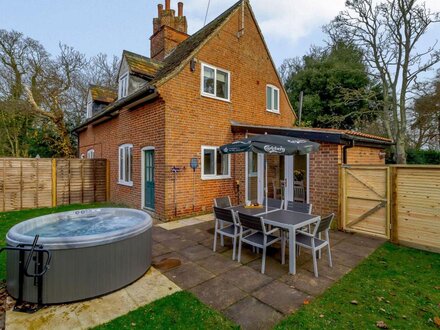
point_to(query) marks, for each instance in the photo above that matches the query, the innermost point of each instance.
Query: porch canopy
(272, 145)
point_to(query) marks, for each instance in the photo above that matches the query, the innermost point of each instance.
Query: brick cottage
(194, 94)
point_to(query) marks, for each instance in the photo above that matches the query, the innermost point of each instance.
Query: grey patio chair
(228, 218)
(222, 202)
(259, 236)
(313, 241)
(272, 202)
(299, 207)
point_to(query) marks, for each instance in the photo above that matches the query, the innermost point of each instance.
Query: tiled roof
(142, 65)
(322, 134)
(184, 50)
(348, 132)
(103, 94)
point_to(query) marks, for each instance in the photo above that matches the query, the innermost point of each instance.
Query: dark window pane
(222, 84)
(208, 162)
(208, 80)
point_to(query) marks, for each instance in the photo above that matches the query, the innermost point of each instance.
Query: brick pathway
(239, 290)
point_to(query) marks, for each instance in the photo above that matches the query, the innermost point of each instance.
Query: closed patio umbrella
(272, 145)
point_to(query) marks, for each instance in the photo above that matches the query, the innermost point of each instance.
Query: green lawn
(396, 285)
(9, 219)
(180, 310)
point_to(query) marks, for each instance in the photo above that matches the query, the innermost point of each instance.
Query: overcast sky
(109, 26)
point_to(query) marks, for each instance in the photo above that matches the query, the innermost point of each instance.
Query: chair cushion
(307, 240)
(258, 238)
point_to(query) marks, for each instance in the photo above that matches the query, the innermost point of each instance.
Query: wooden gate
(366, 199)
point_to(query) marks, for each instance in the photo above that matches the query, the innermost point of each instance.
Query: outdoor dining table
(285, 219)
(292, 221)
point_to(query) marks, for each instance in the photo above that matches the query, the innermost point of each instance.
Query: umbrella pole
(265, 163)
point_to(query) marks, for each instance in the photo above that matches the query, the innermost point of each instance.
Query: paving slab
(218, 294)
(209, 243)
(196, 252)
(193, 234)
(218, 264)
(178, 244)
(352, 248)
(87, 314)
(159, 249)
(160, 235)
(274, 268)
(341, 256)
(306, 282)
(250, 313)
(246, 278)
(189, 275)
(362, 240)
(246, 254)
(186, 222)
(334, 273)
(281, 296)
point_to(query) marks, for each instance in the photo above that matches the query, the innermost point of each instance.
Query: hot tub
(94, 252)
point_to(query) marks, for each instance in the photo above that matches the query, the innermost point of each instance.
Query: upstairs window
(272, 99)
(215, 82)
(126, 164)
(123, 86)
(90, 153)
(215, 165)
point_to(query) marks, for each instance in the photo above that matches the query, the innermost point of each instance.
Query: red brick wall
(193, 120)
(365, 155)
(184, 121)
(324, 179)
(142, 127)
(324, 174)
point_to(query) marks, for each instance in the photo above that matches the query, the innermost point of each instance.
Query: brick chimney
(169, 30)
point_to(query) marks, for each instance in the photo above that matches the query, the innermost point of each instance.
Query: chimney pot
(180, 9)
(159, 10)
(167, 4)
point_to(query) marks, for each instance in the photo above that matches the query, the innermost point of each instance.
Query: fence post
(54, 182)
(107, 180)
(394, 205)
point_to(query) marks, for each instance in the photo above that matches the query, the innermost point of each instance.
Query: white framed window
(272, 99)
(123, 86)
(126, 164)
(90, 153)
(215, 165)
(89, 108)
(215, 82)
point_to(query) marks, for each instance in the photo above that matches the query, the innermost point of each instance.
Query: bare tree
(425, 123)
(389, 34)
(49, 96)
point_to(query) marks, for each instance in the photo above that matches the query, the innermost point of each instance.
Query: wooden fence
(399, 202)
(31, 183)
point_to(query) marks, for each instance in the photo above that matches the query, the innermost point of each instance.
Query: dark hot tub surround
(94, 252)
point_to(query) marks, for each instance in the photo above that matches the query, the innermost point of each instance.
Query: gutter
(144, 94)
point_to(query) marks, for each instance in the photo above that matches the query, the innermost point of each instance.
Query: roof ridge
(103, 87)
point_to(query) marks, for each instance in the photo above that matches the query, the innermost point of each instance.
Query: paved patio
(239, 290)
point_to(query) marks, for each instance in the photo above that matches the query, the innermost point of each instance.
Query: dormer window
(123, 86)
(89, 108)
